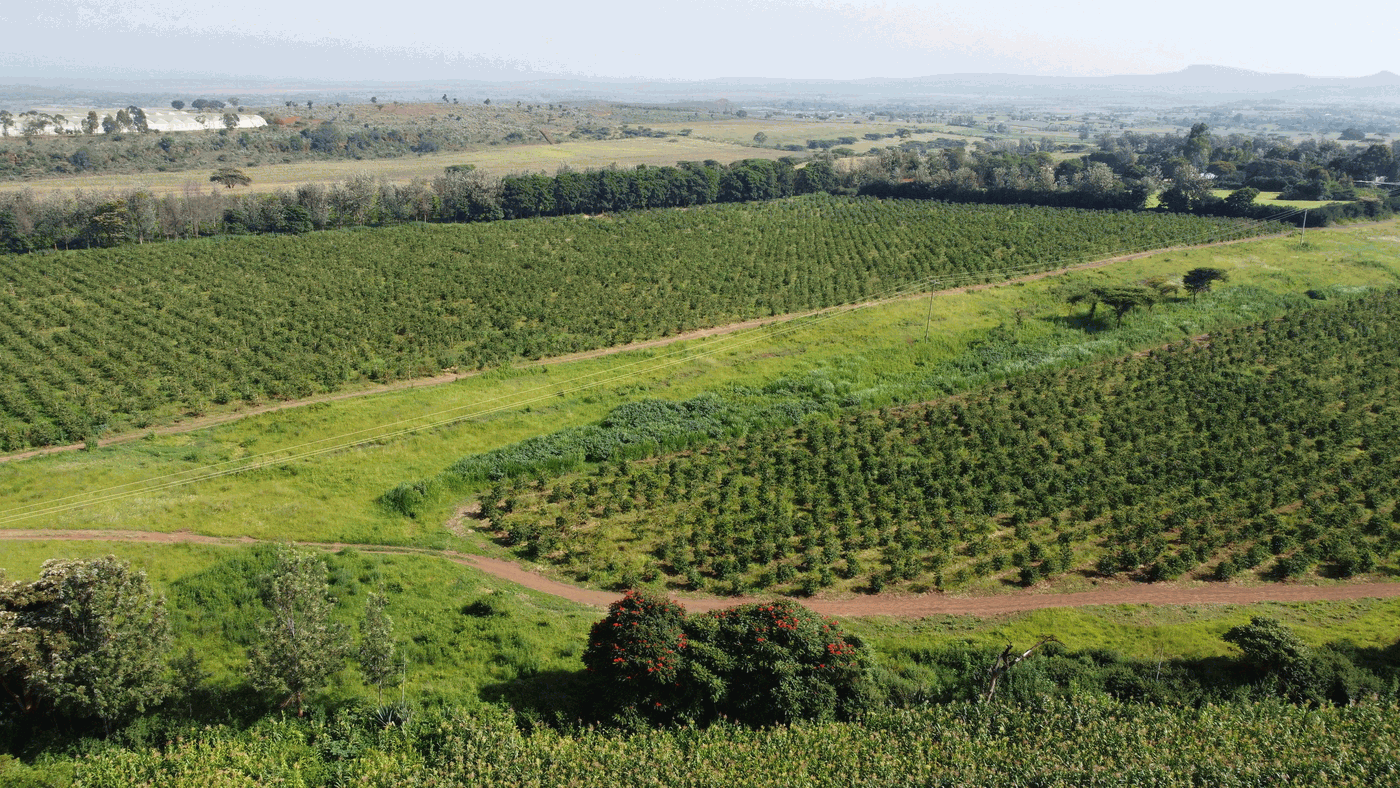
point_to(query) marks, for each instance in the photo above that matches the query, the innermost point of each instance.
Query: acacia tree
(1199, 280)
(230, 177)
(299, 647)
(1122, 299)
(87, 638)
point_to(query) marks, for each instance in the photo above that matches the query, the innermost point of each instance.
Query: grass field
(796, 131)
(495, 160)
(1271, 198)
(353, 450)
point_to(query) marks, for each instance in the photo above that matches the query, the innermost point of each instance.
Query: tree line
(1121, 175)
(90, 640)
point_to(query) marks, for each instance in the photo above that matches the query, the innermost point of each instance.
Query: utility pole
(929, 319)
(1303, 237)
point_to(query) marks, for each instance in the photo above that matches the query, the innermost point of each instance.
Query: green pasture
(350, 451)
(1271, 198)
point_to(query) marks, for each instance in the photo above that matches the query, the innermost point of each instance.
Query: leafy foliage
(638, 654)
(86, 639)
(761, 664)
(300, 646)
(376, 651)
(1083, 742)
(779, 663)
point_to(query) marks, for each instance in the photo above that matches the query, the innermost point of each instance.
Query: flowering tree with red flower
(779, 662)
(637, 653)
(762, 664)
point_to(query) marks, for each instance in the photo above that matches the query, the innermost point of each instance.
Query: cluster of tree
(690, 183)
(766, 663)
(1124, 298)
(462, 194)
(1247, 461)
(1130, 167)
(89, 640)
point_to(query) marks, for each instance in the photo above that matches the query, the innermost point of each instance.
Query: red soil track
(904, 606)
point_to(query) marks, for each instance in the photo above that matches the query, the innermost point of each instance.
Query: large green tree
(1199, 280)
(761, 664)
(299, 646)
(87, 638)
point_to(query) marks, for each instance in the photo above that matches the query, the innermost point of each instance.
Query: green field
(1271, 198)
(1270, 455)
(295, 316)
(332, 496)
(1137, 693)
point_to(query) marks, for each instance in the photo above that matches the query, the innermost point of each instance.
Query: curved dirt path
(903, 606)
(202, 422)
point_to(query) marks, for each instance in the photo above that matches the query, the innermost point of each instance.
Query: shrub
(760, 664)
(777, 663)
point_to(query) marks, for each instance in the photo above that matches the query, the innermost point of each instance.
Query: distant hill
(1194, 85)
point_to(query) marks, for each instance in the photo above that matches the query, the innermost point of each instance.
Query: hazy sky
(694, 40)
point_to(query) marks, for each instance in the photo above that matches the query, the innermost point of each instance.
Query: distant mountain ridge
(1194, 84)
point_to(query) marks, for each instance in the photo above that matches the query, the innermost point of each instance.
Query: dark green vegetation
(759, 664)
(1092, 714)
(1124, 174)
(1182, 168)
(1266, 450)
(86, 640)
(1089, 742)
(108, 340)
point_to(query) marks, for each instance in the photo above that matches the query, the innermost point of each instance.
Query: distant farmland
(501, 160)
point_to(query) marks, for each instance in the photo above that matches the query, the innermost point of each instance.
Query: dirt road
(903, 606)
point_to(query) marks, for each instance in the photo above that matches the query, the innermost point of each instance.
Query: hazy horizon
(779, 39)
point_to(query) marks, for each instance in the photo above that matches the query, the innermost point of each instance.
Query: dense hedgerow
(1268, 449)
(111, 339)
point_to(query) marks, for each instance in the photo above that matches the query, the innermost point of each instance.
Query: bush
(777, 663)
(637, 653)
(760, 664)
